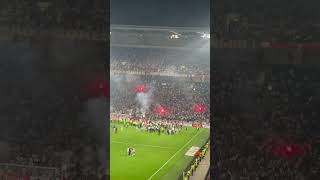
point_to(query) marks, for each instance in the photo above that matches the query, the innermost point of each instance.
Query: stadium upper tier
(163, 62)
(159, 37)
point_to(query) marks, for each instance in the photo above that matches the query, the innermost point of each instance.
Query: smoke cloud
(144, 99)
(96, 115)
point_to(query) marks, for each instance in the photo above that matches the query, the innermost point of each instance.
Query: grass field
(157, 157)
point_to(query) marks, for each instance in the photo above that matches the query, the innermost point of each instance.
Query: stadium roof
(159, 36)
(160, 28)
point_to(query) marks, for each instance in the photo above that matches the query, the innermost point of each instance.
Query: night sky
(183, 13)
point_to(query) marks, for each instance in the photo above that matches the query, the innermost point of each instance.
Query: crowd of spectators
(276, 26)
(285, 97)
(42, 126)
(170, 61)
(277, 101)
(83, 15)
(176, 96)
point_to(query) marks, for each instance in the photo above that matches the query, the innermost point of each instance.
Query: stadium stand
(40, 138)
(271, 129)
(176, 79)
(167, 76)
(265, 95)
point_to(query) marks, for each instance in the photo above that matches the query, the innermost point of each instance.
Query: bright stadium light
(174, 36)
(207, 36)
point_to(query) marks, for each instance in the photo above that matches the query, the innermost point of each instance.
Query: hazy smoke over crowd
(144, 99)
(116, 85)
(96, 115)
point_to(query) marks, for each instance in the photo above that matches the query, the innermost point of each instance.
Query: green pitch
(157, 157)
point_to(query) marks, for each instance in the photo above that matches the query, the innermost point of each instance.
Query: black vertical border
(213, 154)
(107, 66)
(107, 74)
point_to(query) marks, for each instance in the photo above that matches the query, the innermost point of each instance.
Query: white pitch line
(174, 155)
(146, 145)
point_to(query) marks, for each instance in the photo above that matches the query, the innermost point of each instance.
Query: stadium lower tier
(158, 156)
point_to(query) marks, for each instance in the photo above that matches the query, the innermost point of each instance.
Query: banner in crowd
(191, 152)
(197, 125)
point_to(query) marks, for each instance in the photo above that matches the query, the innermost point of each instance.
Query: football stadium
(159, 103)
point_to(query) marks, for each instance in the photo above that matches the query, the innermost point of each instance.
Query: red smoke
(95, 85)
(285, 147)
(162, 111)
(99, 88)
(140, 89)
(289, 151)
(200, 109)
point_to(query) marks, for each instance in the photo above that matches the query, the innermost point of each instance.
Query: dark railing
(208, 175)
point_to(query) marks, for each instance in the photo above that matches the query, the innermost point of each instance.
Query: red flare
(162, 111)
(140, 89)
(199, 109)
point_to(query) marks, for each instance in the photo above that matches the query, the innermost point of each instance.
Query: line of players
(155, 126)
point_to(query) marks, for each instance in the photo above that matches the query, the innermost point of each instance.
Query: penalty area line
(174, 155)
